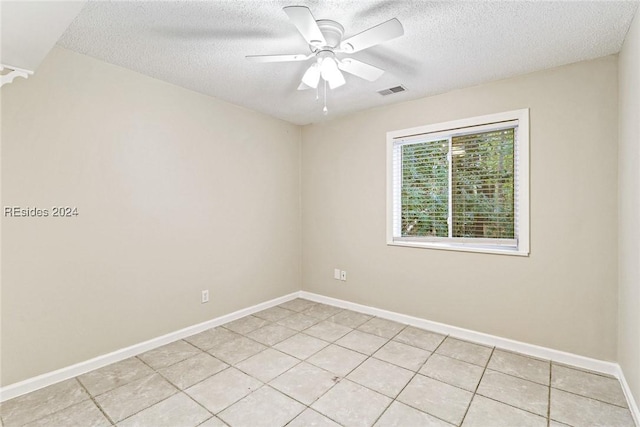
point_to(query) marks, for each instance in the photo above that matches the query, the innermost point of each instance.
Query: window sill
(461, 248)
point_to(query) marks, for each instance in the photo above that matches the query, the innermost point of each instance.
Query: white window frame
(436, 131)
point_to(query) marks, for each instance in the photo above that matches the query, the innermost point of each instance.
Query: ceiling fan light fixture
(312, 76)
(328, 68)
(330, 72)
(336, 80)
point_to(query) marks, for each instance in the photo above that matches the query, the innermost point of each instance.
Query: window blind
(458, 187)
(425, 189)
(483, 185)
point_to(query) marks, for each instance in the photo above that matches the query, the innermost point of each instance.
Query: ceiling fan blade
(305, 23)
(303, 86)
(373, 36)
(277, 58)
(360, 69)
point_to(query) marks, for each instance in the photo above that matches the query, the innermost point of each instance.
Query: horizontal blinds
(482, 185)
(425, 189)
(460, 186)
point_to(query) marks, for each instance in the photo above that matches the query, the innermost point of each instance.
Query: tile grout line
(537, 383)
(207, 420)
(516, 377)
(444, 382)
(180, 391)
(584, 370)
(591, 398)
(499, 401)
(549, 399)
(344, 377)
(418, 373)
(513, 406)
(360, 352)
(200, 381)
(280, 374)
(236, 401)
(95, 402)
(155, 372)
(300, 361)
(202, 351)
(229, 366)
(475, 392)
(585, 396)
(486, 368)
(90, 397)
(93, 397)
(263, 384)
(395, 399)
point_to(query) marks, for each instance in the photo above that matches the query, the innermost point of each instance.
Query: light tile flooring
(304, 364)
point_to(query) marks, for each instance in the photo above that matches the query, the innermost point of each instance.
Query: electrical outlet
(343, 276)
(336, 273)
(205, 296)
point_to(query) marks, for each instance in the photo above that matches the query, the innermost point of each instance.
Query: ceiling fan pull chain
(324, 110)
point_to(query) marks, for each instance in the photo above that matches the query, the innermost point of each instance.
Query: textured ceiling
(447, 45)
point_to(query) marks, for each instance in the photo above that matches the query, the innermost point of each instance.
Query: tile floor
(305, 364)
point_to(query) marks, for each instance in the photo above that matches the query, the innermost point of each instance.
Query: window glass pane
(483, 185)
(425, 189)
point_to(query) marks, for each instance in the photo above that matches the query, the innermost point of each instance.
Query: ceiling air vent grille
(392, 90)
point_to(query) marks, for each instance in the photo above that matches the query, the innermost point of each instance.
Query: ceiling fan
(324, 37)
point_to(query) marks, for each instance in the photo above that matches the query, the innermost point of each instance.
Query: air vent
(392, 90)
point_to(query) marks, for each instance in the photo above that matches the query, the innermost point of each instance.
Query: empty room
(320, 213)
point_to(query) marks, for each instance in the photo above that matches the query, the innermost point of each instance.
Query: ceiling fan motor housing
(332, 32)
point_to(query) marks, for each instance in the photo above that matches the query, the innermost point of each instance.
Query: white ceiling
(447, 45)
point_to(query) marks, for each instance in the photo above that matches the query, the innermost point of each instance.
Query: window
(461, 185)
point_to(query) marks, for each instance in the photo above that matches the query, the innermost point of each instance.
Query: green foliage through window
(425, 189)
(481, 186)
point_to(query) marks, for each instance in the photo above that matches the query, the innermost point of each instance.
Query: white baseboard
(631, 401)
(609, 368)
(44, 380)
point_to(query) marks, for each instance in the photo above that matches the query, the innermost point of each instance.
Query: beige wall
(177, 192)
(629, 209)
(563, 296)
